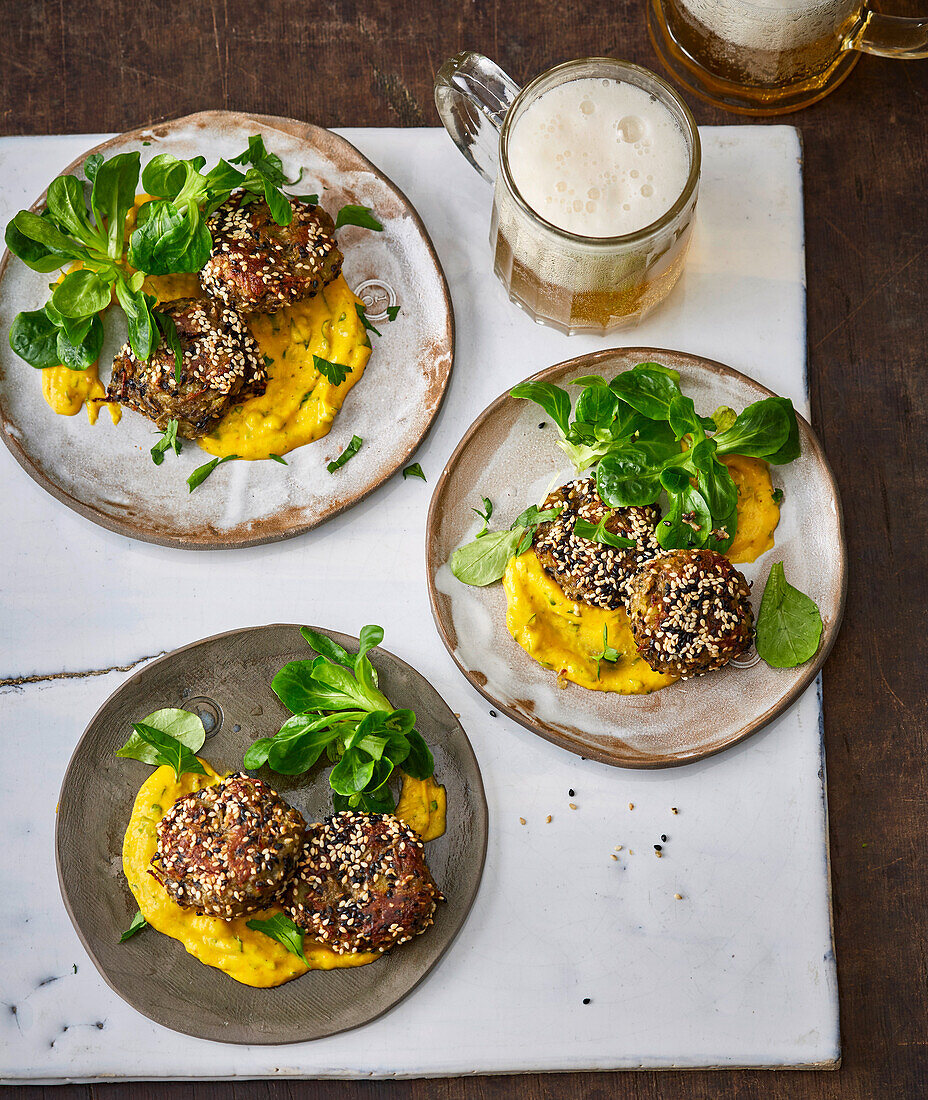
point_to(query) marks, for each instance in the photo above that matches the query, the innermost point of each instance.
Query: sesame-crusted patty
(229, 849)
(258, 266)
(690, 612)
(362, 884)
(588, 571)
(221, 362)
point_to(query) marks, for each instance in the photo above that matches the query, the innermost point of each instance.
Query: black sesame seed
(586, 1000)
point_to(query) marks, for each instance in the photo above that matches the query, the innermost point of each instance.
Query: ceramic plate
(106, 473)
(508, 456)
(229, 677)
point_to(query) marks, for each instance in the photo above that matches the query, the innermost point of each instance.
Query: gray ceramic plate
(229, 676)
(106, 474)
(506, 456)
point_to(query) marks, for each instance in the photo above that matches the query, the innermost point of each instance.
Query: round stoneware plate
(506, 456)
(105, 472)
(229, 676)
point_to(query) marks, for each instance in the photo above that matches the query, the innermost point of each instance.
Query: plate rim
(122, 527)
(616, 759)
(482, 814)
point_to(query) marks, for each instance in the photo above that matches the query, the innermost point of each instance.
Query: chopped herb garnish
(484, 515)
(167, 442)
(282, 929)
(777, 496)
(415, 470)
(392, 312)
(364, 321)
(268, 361)
(306, 396)
(201, 473)
(348, 453)
(277, 458)
(335, 373)
(138, 923)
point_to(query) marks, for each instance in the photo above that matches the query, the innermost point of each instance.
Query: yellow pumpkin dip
(299, 404)
(566, 636)
(758, 512)
(67, 391)
(247, 956)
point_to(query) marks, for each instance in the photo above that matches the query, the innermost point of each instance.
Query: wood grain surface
(100, 65)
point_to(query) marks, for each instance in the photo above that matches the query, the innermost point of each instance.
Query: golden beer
(773, 56)
(596, 171)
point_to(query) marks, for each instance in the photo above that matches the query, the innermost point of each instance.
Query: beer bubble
(634, 173)
(560, 186)
(578, 205)
(593, 193)
(587, 106)
(630, 129)
(647, 190)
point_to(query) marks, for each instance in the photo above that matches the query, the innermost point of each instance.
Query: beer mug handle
(472, 95)
(889, 35)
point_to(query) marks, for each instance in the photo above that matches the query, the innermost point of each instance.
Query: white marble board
(739, 971)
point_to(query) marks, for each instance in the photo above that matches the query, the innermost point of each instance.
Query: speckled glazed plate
(105, 471)
(227, 679)
(507, 456)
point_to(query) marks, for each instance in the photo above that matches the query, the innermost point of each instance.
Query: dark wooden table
(99, 65)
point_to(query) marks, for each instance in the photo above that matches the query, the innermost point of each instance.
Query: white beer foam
(598, 157)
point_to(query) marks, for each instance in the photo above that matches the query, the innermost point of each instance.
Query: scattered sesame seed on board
(572, 805)
(674, 810)
(522, 821)
(548, 820)
(679, 897)
(618, 847)
(659, 854)
(612, 855)
(631, 805)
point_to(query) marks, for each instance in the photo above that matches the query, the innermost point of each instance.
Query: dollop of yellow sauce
(248, 956)
(758, 512)
(67, 391)
(567, 637)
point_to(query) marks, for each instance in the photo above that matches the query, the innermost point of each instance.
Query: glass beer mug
(567, 258)
(774, 56)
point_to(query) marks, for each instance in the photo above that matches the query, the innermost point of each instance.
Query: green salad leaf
(338, 710)
(484, 560)
(357, 215)
(168, 750)
(415, 470)
(789, 623)
(182, 725)
(652, 446)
